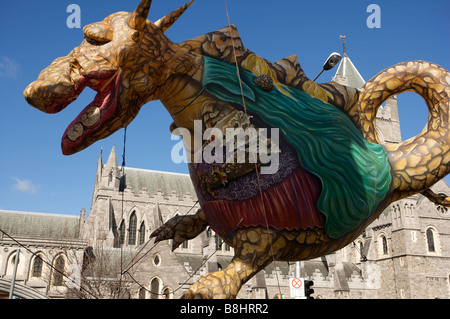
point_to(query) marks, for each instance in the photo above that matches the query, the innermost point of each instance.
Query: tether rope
(122, 272)
(122, 184)
(248, 125)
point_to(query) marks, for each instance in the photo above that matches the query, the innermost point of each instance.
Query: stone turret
(388, 122)
(110, 175)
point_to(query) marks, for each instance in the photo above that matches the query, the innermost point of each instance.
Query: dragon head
(121, 58)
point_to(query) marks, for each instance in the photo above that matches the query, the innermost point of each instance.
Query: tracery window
(361, 255)
(154, 288)
(142, 293)
(132, 230)
(166, 293)
(430, 240)
(37, 266)
(142, 234)
(385, 247)
(122, 233)
(58, 273)
(218, 242)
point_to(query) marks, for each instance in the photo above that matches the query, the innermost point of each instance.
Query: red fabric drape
(290, 204)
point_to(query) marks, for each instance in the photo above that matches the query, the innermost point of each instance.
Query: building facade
(107, 253)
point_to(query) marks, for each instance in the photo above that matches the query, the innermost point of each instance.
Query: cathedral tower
(387, 120)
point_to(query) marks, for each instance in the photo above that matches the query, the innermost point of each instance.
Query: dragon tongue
(91, 124)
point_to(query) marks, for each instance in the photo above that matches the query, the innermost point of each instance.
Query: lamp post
(330, 63)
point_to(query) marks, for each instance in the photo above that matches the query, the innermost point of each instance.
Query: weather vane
(343, 44)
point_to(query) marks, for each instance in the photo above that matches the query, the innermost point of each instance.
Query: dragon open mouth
(53, 91)
(86, 127)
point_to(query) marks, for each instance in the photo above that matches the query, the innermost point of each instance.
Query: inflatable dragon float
(333, 176)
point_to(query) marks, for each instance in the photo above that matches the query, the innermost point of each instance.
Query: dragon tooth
(75, 131)
(91, 116)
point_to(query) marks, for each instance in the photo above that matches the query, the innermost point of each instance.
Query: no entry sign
(297, 283)
(297, 288)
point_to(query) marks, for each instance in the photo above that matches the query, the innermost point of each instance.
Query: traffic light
(308, 290)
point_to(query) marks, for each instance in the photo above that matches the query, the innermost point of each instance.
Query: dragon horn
(138, 18)
(166, 22)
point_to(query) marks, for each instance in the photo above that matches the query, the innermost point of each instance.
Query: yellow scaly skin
(129, 58)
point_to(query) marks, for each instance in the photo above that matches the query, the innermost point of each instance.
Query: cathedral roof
(154, 181)
(58, 226)
(151, 181)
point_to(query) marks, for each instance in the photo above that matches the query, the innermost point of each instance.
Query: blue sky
(35, 176)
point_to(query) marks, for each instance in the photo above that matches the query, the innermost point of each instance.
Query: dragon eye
(98, 33)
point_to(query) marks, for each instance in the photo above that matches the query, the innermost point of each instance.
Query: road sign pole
(297, 275)
(296, 284)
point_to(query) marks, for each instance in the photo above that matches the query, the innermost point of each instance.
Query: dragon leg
(181, 228)
(254, 249)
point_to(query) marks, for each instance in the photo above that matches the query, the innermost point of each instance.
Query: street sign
(297, 288)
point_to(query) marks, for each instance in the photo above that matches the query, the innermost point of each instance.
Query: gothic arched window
(122, 233)
(142, 234)
(166, 293)
(142, 293)
(218, 242)
(37, 266)
(362, 257)
(430, 240)
(60, 265)
(385, 247)
(154, 289)
(132, 229)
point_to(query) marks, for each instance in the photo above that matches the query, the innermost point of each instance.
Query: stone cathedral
(106, 252)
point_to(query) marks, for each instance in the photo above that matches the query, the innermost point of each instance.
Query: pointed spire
(347, 74)
(99, 167)
(157, 217)
(112, 159)
(111, 217)
(110, 176)
(343, 44)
